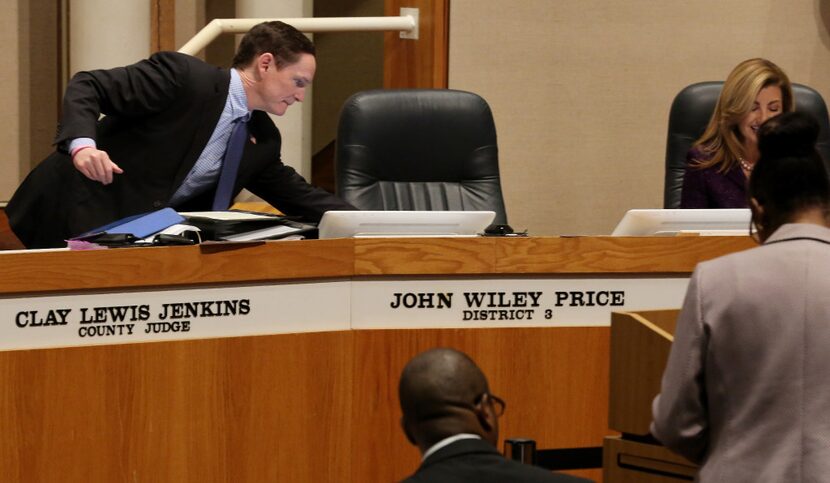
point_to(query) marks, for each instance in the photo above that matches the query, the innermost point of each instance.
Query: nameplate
(85, 319)
(508, 302)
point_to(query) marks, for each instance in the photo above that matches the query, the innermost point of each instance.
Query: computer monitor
(347, 224)
(729, 222)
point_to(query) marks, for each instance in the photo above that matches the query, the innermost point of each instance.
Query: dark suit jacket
(477, 461)
(160, 114)
(709, 188)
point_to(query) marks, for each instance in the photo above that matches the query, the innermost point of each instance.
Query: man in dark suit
(162, 143)
(450, 414)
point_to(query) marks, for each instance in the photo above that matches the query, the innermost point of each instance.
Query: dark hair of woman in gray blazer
(789, 184)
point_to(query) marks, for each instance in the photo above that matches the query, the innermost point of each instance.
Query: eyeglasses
(496, 402)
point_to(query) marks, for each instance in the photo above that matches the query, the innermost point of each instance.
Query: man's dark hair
(281, 40)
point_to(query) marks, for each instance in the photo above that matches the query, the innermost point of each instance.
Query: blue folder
(140, 226)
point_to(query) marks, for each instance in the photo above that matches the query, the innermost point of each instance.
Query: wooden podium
(307, 406)
(640, 344)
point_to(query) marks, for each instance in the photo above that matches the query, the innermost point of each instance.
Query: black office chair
(690, 113)
(418, 150)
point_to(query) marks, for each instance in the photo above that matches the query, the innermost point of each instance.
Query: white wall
(581, 89)
(10, 96)
(107, 33)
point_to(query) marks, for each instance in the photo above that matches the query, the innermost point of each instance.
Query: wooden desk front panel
(314, 407)
(554, 380)
(56, 271)
(300, 408)
(246, 409)
(128, 268)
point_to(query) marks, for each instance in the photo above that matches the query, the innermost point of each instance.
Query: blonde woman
(720, 162)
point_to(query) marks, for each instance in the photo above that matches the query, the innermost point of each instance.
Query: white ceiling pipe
(327, 24)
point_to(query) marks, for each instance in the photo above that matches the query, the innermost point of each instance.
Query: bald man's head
(441, 393)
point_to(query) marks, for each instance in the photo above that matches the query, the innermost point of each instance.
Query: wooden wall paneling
(43, 86)
(638, 352)
(220, 52)
(163, 25)
(296, 415)
(421, 63)
(247, 409)
(557, 380)
(554, 380)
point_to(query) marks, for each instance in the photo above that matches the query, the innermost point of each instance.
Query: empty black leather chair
(690, 113)
(418, 149)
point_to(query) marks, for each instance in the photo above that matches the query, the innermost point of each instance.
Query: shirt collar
(446, 442)
(799, 230)
(237, 98)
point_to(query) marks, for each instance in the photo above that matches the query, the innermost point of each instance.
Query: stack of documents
(241, 226)
(161, 227)
(167, 227)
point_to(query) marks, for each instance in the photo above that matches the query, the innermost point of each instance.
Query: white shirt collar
(447, 442)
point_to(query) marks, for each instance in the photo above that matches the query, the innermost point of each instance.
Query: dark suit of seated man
(450, 414)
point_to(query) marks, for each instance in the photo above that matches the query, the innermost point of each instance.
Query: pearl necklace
(746, 166)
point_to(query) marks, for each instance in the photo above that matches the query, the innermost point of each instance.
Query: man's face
(279, 88)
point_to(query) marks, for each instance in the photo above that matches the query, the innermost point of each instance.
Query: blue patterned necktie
(230, 166)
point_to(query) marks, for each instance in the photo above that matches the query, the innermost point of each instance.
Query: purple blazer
(708, 188)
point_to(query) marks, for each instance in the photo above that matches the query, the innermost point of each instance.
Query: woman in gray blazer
(746, 392)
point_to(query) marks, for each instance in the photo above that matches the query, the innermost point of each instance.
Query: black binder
(257, 226)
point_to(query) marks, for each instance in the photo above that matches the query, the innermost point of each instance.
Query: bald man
(450, 414)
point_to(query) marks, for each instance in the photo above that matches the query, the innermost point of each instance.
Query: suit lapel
(261, 148)
(799, 231)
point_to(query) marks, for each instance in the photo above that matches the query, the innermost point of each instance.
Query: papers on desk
(167, 227)
(273, 232)
(137, 226)
(239, 226)
(229, 215)
(136, 230)
(179, 229)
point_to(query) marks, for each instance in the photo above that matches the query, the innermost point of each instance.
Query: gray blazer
(746, 392)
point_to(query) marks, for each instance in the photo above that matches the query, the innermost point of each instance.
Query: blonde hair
(721, 143)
